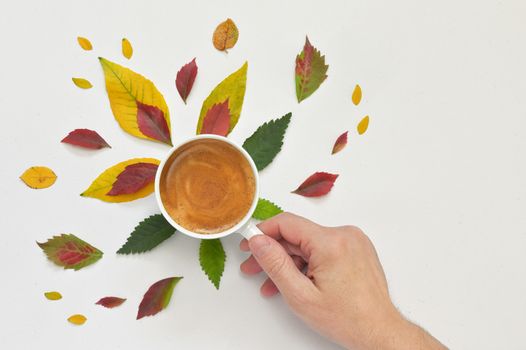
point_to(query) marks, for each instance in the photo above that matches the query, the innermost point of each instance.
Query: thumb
(280, 267)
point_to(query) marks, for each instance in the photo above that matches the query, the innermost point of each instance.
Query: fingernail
(259, 245)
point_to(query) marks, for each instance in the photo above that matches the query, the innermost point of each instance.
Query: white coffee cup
(245, 226)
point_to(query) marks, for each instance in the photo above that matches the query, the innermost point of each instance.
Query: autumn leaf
(70, 252)
(212, 259)
(82, 83)
(127, 49)
(217, 120)
(311, 71)
(133, 178)
(340, 143)
(38, 177)
(84, 43)
(150, 232)
(185, 78)
(316, 185)
(53, 295)
(77, 319)
(137, 105)
(265, 143)
(357, 95)
(265, 209)
(85, 138)
(157, 297)
(226, 35)
(363, 125)
(233, 89)
(100, 187)
(110, 302)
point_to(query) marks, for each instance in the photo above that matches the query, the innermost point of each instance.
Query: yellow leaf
(357, 95)
(84, 43)
(127, 49)
(39, 177)
(53, 295)
(233, 89)
(125, 89)
(104, 182)
(363, 125)
(226, 35)
(77, 319)
(82, 83)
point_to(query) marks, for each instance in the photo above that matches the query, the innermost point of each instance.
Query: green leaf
(150, 232)
(70, 252)
(311, 71)
(266, 209)
(212, 259)
(265, 143)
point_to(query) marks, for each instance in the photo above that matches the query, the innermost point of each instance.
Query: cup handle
(250, 230)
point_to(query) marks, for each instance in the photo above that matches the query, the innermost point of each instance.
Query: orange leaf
(225, 35)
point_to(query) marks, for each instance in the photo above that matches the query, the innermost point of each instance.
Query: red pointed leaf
(340, 143)
(185, 79)
(316, 185)
(85, 138)
(304, 65)
(110, 302)
(133, 178)
(157, 297)
(70, 252)
(217, 120)
(152, 123)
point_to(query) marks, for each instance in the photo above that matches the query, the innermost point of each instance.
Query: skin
(332, 279)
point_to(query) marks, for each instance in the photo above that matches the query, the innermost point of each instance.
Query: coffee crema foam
(207, 186)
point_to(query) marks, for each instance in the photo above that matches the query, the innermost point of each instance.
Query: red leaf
(304, 65)
(85, 138)
(157, 297)
(185, 79)
(70, 252)
(152, 123)
(316, 185)
(340, 143)
(110, 302)
(217, 120)
(133, 178)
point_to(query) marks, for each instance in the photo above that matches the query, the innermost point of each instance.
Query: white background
(438, 181)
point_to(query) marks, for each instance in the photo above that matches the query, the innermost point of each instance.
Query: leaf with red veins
(217, 120)
(185, 79)
(311, 71)
(316, 185)
(152, 123)
(70, 252)
(85, 138)
(133, 178)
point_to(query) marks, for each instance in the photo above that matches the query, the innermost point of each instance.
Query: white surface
(438, 181)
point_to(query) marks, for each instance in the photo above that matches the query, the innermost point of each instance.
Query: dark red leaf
(152, 123)
(133, 178)
(157, 297)
(85, 138)
(340, 143)
(110, 302)
(185, 79)
(316, 185)
(217, 120)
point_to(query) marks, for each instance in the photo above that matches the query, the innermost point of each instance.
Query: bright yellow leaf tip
(53, 295)
(39, 177)
(127, 49)
(82, 83)
(363, 125)
(357, 95)
(77, 319)
(84, 43)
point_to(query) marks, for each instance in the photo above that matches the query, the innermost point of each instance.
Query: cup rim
(237, 227)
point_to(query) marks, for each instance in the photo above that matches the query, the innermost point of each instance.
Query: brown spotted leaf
(70, 252)
(225, 35)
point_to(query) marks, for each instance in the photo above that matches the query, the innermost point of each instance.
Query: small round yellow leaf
(84, 43)
(82, 83)
(363, 125)
(38, 177)
(357, 95)
(77, 319)
(53, 295)
(225, 35)
(127, 49)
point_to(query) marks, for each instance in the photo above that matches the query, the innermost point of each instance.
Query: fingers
(250, 266)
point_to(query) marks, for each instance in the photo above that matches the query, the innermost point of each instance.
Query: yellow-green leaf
(233, 89)
(357, 95)
(84, 43)
(53, 295)
(363, 125)
(82, 83)
(38, 177)
(77, 319)
(137, 105)
(127, 49)
(104, 182)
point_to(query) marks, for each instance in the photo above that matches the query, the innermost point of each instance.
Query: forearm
(406, 335)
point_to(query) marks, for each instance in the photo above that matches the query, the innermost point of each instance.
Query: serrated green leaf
(212, 259)
(266, 209)
(150, 232)
(311, 71)
(70, 252)
(265, 143)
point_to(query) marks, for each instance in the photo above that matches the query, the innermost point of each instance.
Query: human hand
(333, 280)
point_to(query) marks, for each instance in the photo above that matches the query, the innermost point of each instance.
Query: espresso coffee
(207, 186)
